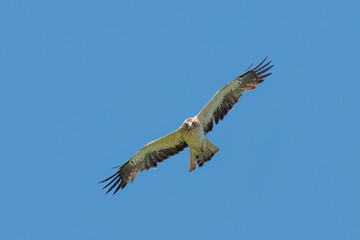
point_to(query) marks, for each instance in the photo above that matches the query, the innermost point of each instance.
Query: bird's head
(189, 124)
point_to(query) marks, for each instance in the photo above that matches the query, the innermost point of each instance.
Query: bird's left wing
(145, 159)
(225, 99)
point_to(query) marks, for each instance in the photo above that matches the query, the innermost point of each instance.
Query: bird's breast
(194, 137)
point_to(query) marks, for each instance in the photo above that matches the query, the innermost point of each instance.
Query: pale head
(189, 124)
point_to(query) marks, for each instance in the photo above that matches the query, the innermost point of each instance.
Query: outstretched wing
(145, 159)
(225, 99)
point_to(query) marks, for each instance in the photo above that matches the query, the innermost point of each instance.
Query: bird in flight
(191, 133)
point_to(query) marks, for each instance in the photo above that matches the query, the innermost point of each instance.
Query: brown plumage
(191, 133)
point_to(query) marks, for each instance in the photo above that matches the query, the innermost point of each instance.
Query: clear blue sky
(85, 84)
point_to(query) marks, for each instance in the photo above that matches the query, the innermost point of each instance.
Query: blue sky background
(85, 84)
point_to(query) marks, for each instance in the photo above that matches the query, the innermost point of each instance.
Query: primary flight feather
(191, 133)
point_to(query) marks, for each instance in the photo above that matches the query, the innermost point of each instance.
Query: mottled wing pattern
(225, 99)
(145, 159)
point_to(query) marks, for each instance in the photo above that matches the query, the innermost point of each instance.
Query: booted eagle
(191, 133)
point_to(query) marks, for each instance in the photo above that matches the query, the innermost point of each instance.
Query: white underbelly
(195, 139)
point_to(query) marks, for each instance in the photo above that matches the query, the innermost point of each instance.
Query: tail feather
(193, 155)
(202, 156)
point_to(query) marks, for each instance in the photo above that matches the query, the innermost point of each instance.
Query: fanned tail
(202, 156)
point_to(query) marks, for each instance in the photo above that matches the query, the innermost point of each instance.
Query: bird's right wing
(145, 159)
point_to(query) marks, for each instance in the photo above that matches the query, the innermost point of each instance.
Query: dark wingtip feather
(117, 189)
(266, 75)
(110, 182)
(265, 70)
(119, 166)
(255, 69)
(249, 67)
(108, 178)
(262, 67)
(115, 183)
